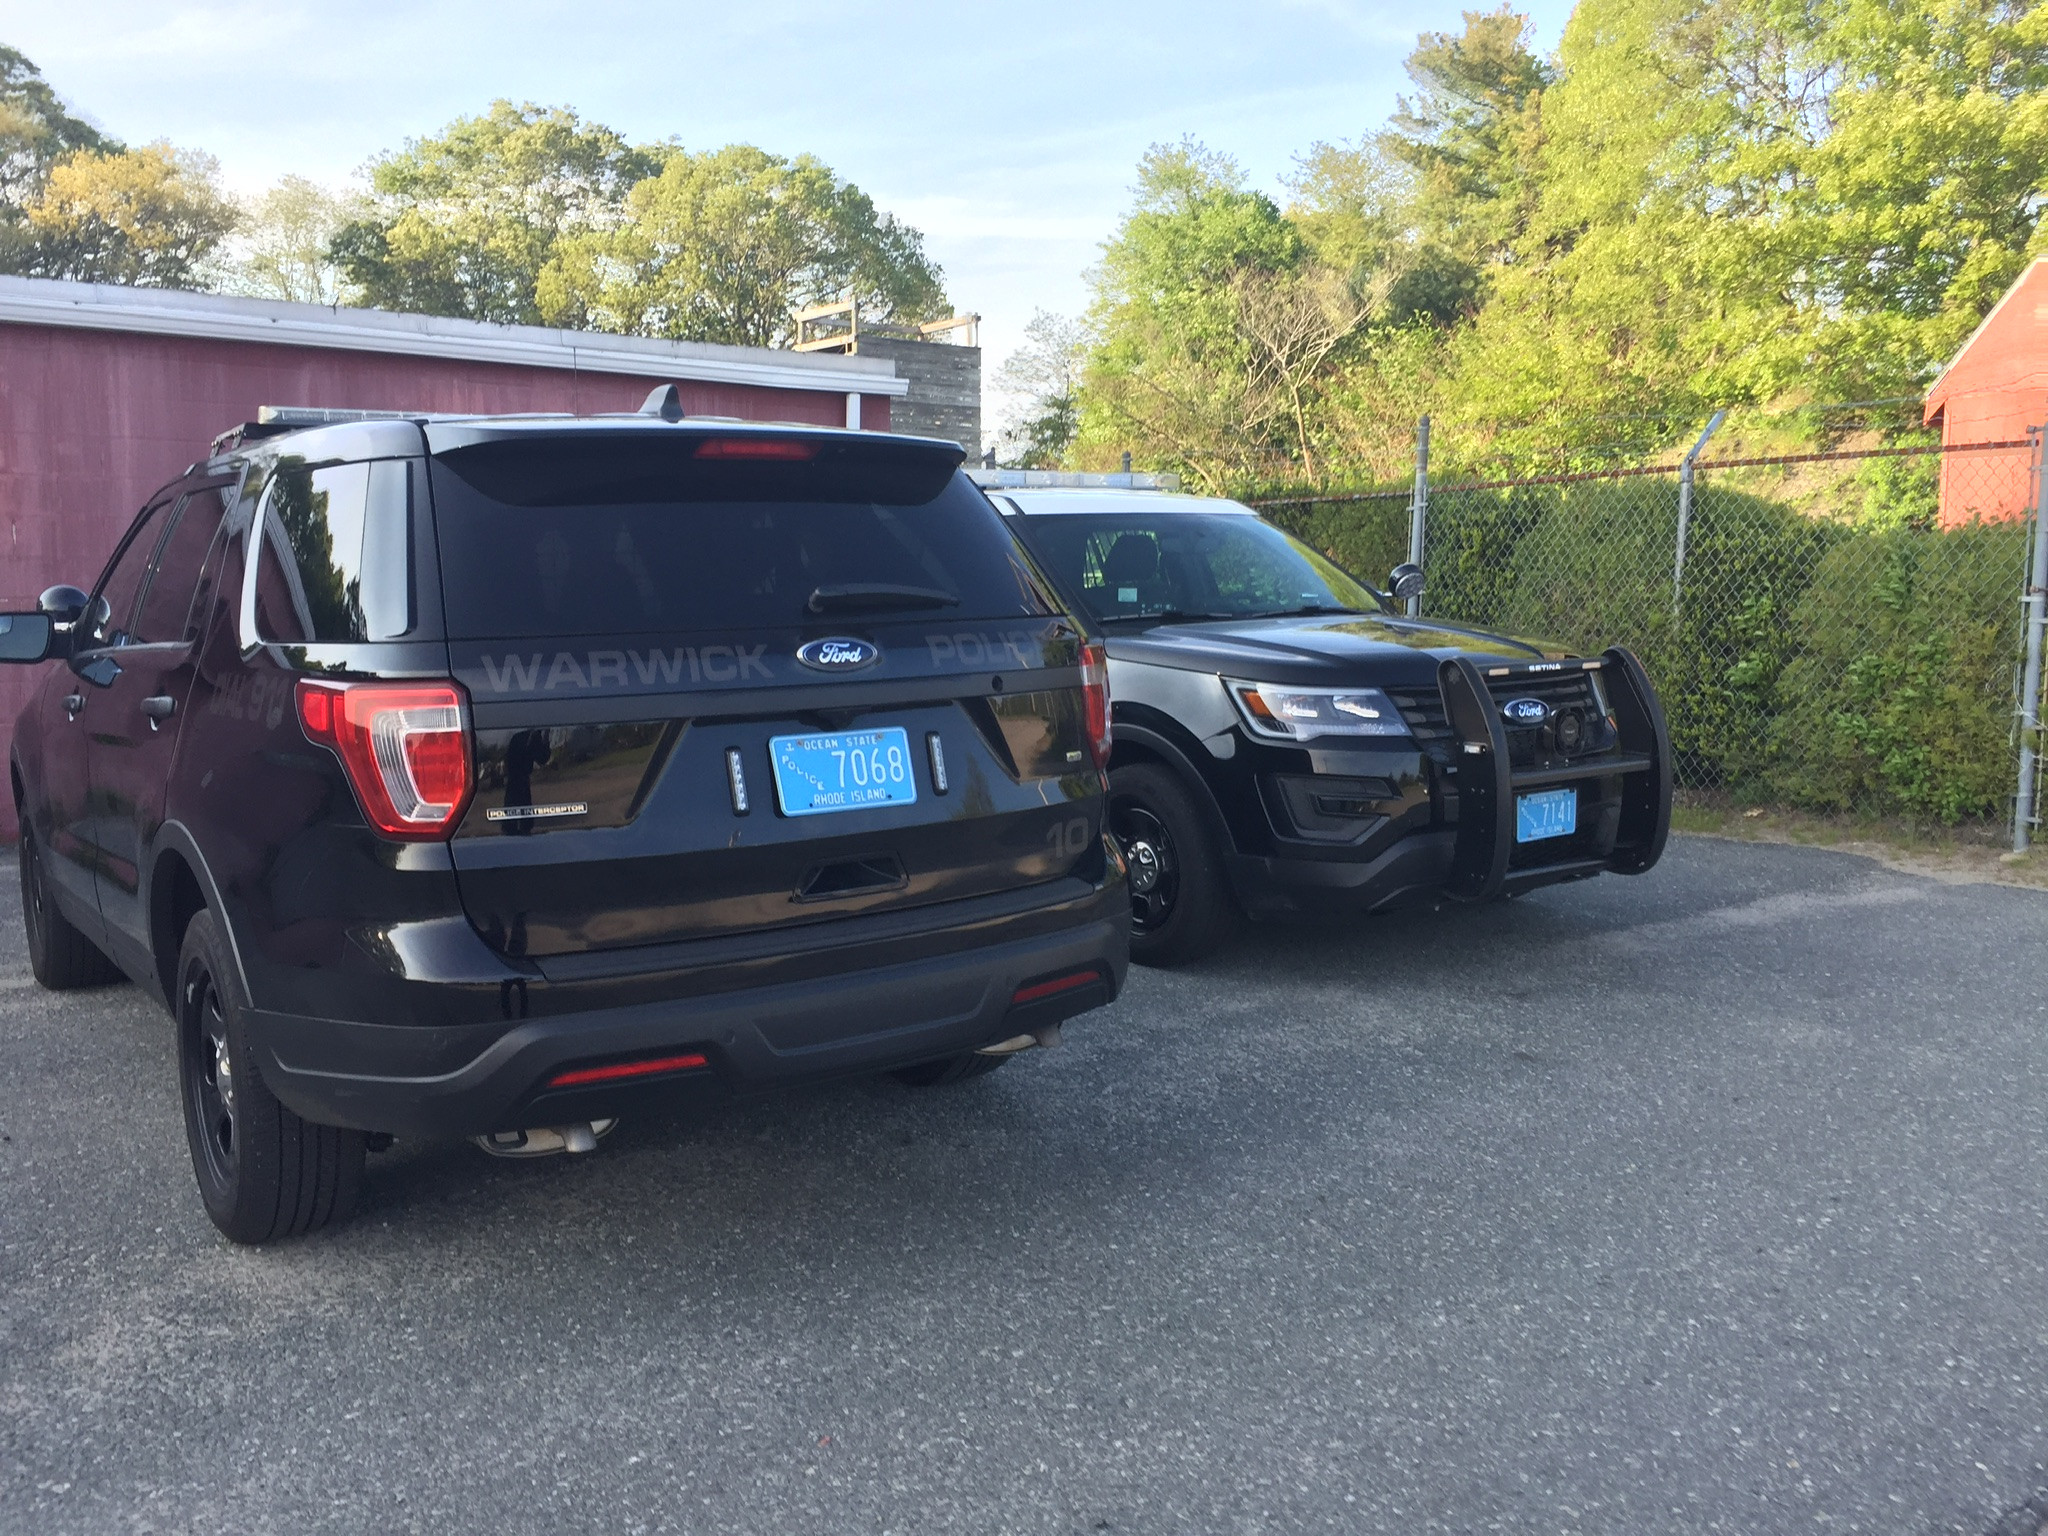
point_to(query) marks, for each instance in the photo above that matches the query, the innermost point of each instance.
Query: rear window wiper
(859, 596)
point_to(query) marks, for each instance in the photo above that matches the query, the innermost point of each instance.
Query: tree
(1740, 201)
(285, 243)
(35, 133)
(1292, 324)
(1472, 134)
(464, 222)
(149, 217)
(1170, 376)
(724, 245)
(1042, 380)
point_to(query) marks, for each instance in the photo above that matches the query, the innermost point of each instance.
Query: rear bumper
(367, 1076)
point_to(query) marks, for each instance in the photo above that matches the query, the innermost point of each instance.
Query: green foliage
(1042, 380)
(286, 239)
(465, 221)
(1365, 539)
(35, 132)
(723, 246)
(150, 217)
(1741, 201)
(1216, 328)
(1471, 134)
(1901, 696)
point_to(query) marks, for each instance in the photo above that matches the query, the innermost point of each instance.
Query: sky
(1007, 133)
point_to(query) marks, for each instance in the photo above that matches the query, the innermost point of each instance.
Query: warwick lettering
(619, 669)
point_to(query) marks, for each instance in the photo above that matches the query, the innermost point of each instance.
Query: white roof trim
(216, 317)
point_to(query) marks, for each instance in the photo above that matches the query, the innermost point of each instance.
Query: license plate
(1547, 813)
(842, 771)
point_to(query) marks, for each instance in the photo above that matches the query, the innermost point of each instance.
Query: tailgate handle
(852, 877)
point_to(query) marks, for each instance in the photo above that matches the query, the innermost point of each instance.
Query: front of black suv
(1289, 743)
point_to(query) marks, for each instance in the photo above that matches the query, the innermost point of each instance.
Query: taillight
(405, 747)
(1095, 696)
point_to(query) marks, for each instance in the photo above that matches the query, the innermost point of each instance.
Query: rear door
(721, 686)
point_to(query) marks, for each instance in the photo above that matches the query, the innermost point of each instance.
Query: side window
(165, 612)
(107, 615)
(336, 557)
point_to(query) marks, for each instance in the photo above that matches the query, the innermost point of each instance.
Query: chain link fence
(1838, 631)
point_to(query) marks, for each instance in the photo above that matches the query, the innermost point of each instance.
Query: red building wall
(1992, 392)
(92, 421)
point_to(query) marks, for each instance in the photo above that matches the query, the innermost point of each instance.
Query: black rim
(209, 1074)
(33, 916)
(1148, 849)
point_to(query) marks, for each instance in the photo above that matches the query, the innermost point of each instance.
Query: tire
(263, 1172)
(1181, 907)
(949, 1069)
(58, 954)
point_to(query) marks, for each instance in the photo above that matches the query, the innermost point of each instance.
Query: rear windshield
(624, 534)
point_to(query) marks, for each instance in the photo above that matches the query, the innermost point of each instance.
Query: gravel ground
(1711, 1201)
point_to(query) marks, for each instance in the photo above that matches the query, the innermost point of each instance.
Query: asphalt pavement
(1715, 1200)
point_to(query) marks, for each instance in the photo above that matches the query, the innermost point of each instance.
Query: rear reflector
(1053, 988)
(617, 1070)
(788, 450)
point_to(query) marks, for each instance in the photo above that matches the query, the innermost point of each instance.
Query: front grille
(1578, 724)
(1423, 709)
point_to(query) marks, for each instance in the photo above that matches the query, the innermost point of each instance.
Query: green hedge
(1864, 666)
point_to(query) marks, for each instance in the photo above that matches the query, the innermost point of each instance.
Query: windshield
(1190, 564)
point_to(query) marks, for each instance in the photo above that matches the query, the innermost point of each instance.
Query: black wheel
(1180, 901)
(60, 956)
(263, 1172)
(948, 1069)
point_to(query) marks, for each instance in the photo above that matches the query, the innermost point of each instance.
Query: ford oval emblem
(839, 653)
(1525, 711)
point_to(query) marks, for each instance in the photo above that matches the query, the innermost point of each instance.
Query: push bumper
(368, 1077)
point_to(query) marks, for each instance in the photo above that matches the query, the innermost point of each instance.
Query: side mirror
(25, 637)
(62, 605)
(1405, 581)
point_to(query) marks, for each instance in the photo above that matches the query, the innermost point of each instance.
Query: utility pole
(1418, 508)
(1685, 507)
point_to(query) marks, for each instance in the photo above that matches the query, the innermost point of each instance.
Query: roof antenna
(665, 401)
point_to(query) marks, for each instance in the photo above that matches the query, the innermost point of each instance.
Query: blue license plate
(1547, 813)
(842, 771)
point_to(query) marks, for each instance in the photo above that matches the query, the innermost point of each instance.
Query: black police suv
(488, 776)
(1287, 742)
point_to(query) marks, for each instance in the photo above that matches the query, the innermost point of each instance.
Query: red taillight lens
(405, 747)
(788, 450)
(1095, 694)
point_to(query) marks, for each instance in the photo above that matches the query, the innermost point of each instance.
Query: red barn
(107, 392)
(1992, 391)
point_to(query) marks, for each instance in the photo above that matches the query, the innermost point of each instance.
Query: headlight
(1295, 714)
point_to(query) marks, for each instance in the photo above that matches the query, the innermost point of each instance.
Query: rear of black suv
(533, 770)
